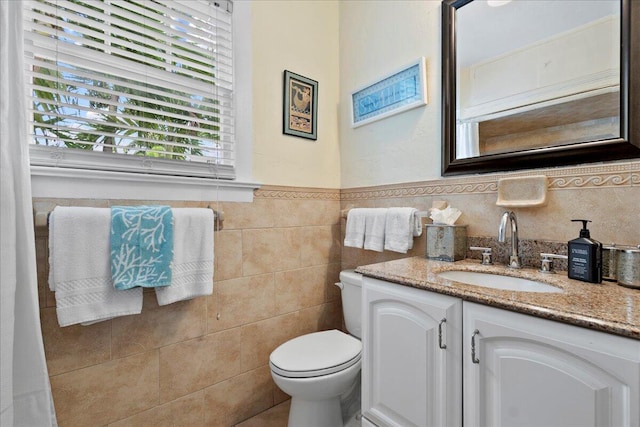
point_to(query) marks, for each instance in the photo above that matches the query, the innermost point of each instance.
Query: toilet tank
(351, 286)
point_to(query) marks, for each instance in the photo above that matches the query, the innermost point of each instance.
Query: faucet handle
(486, 254)
(547, 262)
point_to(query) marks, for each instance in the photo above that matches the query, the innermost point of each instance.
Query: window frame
(164, 179)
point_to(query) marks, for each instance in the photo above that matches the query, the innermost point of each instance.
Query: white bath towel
(354, 232)
(192, 269)
(401, 226)
(79, 268)
(374, 229)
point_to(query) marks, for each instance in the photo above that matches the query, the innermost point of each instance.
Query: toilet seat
(316, 354)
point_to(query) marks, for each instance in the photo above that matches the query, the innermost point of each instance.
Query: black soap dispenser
(585, 256)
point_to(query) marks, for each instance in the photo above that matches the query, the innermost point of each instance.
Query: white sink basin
(497, 281)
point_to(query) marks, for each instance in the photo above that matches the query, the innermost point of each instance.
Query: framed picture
(300, 117)
(394, 93)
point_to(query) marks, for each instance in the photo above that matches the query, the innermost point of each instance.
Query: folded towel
(354, 232)
(374, 229)
(401, 225)
(79, 270)
(192, 256)
(141, 246)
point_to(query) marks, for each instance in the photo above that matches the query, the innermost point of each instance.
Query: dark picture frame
(300, 102)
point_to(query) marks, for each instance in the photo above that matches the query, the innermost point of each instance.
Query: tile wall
(276, 260)
(607, 194)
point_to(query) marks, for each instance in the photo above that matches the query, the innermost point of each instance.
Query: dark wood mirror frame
(625, 147)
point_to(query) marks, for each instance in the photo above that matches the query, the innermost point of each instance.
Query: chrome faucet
(514, 259)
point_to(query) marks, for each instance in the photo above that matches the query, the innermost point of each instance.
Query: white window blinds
(132, 85)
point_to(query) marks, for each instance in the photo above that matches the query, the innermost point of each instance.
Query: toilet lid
(316, 354)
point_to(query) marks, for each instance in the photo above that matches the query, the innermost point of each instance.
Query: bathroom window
(132, 85)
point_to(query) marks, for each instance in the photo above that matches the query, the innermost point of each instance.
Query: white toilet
(321, 371)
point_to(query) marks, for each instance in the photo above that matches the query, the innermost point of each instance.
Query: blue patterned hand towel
(141, 246)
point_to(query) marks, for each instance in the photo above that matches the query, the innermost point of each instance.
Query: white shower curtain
(25, 398)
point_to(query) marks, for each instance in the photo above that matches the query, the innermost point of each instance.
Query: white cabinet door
(411, 370)
(528, 371)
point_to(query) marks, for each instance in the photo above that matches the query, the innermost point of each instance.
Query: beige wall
(302, 37)
(276, 261)
(278, 257)
(609, 195)
(396, 161)
(376, 38)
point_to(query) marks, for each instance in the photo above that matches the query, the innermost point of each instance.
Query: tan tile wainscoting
(607, 194)
(276, 261)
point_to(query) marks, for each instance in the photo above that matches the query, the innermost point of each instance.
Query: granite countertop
(605, 307)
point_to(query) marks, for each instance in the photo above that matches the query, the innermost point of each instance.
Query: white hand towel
(354, 232)
(401, 225)
(192, 271)
(374, 229)
(79, 268)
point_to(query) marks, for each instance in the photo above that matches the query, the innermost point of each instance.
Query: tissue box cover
(446, 242)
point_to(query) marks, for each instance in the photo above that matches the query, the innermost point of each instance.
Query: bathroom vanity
(443, 353)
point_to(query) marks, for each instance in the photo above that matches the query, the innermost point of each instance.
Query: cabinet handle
(442, 346)
(474, 359)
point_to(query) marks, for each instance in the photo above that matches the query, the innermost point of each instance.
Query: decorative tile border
(611, 180)
(428, 188)
(300, 193)
(608, 175)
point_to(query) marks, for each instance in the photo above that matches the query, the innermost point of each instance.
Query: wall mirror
(539, 83)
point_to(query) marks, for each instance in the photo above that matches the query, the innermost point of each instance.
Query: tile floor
(278, 417)
(274, 417)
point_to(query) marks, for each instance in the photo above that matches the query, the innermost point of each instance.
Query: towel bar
(419, 214)
(41, 219)
(219, 215)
